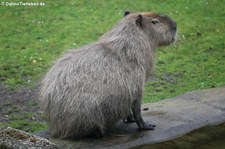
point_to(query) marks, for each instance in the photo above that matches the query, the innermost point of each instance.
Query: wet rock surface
(173, 117)
(209, 137)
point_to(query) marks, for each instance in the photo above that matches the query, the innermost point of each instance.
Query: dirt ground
(17, 105)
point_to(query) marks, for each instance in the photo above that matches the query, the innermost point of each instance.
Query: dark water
(210, 137)
(216, 144)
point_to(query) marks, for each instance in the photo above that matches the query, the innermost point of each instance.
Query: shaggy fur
(91, 88)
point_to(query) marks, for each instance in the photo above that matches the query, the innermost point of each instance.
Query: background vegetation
(33, 37)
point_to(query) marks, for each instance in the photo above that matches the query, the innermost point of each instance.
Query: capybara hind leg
(136, 109)
(129, 118)
(97, 133)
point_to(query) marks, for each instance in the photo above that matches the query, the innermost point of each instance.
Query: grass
(33, 37)
(22, 119)
(26, 125)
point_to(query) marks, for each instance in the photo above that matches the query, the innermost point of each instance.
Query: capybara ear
(139, 20)
(126, 13)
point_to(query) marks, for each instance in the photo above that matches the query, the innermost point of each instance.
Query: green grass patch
(26, 125)
(33, 37)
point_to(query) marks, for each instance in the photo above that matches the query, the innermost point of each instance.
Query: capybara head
(160, 29)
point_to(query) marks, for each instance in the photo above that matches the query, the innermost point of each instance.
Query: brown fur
(91, 88)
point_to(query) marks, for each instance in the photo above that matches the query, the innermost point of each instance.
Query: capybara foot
(148, 127)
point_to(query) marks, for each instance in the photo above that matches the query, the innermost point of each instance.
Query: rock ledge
(11, 138)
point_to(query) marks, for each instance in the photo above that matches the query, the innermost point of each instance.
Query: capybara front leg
(136, 109)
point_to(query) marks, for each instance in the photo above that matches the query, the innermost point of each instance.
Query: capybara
(91, 88)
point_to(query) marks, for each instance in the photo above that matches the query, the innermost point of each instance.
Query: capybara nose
(172, 24)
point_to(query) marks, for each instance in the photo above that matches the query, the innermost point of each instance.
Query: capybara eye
(155, 21)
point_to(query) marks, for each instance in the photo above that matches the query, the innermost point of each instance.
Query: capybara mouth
(174, 33)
